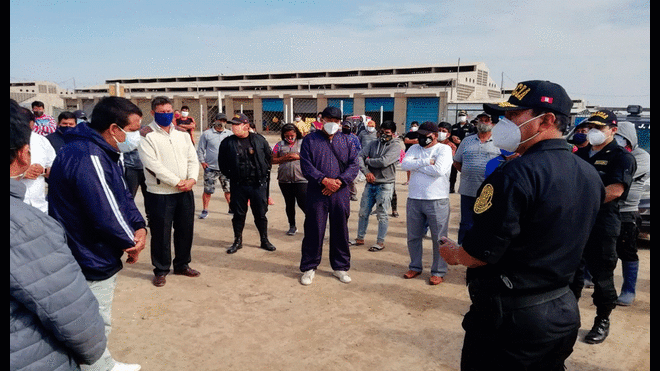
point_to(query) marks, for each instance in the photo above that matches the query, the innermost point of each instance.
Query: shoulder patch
(145, 130)
(483, 202)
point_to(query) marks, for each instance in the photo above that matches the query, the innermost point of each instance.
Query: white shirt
(428, 182)
(42, 153)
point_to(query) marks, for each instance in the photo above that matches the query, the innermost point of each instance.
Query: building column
(400, 111)
(358, 104)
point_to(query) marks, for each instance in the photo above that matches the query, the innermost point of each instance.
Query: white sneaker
(119, 366)
(307, 277)
(342, 275)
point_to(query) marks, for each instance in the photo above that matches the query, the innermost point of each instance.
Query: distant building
(54, 98)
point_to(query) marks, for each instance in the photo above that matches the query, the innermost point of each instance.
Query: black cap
(220, 116)
(427, 128)
(331, 112)
(534, 94)
(239, 118)
(80, 114)
(602, 117)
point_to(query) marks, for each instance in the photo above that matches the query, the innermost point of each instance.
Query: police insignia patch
(483, 202)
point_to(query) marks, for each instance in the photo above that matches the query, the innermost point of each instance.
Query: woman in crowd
(293, 184)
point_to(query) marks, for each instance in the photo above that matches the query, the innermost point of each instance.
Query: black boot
(599, 332)
(266, 245)
(238, 243)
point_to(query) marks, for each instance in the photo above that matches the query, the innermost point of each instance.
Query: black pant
(600, 259)
(626, 245)
(257, 194)
(292, 193)
(452, 178)
(539, 337)
(134, 180)
(171, 211)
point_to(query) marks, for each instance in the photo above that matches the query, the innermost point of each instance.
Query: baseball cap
(220, 116)
(80, 114)
(428, 127)
(239, 118)
(331, 112)
(534, 94)
(602, 117)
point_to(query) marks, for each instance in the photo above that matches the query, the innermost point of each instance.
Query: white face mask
(130, 143)
(596, 137)
(370, 129)
(414, 128)
(331, 127)
(442, 136)
(621, 140)
(506, 134)
(462, 118)
(184, 114)
(297, 119)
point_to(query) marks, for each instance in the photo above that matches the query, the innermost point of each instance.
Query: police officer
(616, 167)
(245, 158)
(459, 131)
(532, 218)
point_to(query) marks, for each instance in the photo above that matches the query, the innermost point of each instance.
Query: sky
(598, 50)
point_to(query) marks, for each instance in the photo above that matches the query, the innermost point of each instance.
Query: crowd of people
(539, 216)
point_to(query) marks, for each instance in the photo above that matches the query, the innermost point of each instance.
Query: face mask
(163, 119)
(79, 121)
(462, 118)
(290, 140)
(424, 140)
(130, 143)
(579, 138)
(297, 119)
(484, 128)
(596, 137)
(442, 136)
(385, 138)
(38, 113)
(414, 128)
(64, 129)
(506, 134)
(330, 127)
(621, 140)
(370, 129)
(185, 114)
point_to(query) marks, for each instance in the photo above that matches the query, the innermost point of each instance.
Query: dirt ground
(248, 311)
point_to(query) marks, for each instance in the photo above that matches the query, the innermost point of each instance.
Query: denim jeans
(381, 196)
(419, 213)
(104, 291)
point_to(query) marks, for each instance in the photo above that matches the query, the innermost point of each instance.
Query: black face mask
(346, 130)
(424, 140)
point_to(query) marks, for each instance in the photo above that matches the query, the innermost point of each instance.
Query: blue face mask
(163, 119)
(579, 138)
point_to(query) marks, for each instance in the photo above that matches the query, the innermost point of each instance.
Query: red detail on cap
(546, 100)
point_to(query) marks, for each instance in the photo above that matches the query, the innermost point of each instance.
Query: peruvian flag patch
(546, 100)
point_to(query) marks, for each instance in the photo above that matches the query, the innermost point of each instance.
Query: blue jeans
(381, 196)
(419, 213)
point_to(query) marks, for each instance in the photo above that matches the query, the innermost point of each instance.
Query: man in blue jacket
(89, 197)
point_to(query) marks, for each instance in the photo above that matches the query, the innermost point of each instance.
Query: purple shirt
(318, 160)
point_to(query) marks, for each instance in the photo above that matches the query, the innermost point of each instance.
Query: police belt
(524, 301)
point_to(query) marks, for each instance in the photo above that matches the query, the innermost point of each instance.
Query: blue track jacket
(87, 194)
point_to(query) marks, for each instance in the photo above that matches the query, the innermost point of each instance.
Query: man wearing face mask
(89, 197)
(470, 159)
(245, 159)
(65, 121)
(429, 163)
(378, 163)
(459, 131)
(579, 138)
(170, 170)
(207, 152)
(532, 218)
(616, 167)
(328, 160)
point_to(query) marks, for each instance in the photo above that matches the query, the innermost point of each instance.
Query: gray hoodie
(627, 130)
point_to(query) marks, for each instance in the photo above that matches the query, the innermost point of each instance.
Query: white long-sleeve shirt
(428, 182)
(44, 155)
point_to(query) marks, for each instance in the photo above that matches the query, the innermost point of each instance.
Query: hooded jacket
(88, 195)
(54, 319)
(643, 172)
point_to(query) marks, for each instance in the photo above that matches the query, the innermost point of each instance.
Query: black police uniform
(614, 165)
(247, 163)
(459, 131)
(532, 218)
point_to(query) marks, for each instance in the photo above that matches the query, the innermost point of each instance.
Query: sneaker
(126, 367)
(342, 275)
(204, 214)
(307, 277)
(292, 231)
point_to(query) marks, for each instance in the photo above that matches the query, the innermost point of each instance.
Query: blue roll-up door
(374, 104)
(272, 105)
(348, 104)
(422, 109)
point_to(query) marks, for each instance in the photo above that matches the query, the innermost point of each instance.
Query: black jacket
(234, 162)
